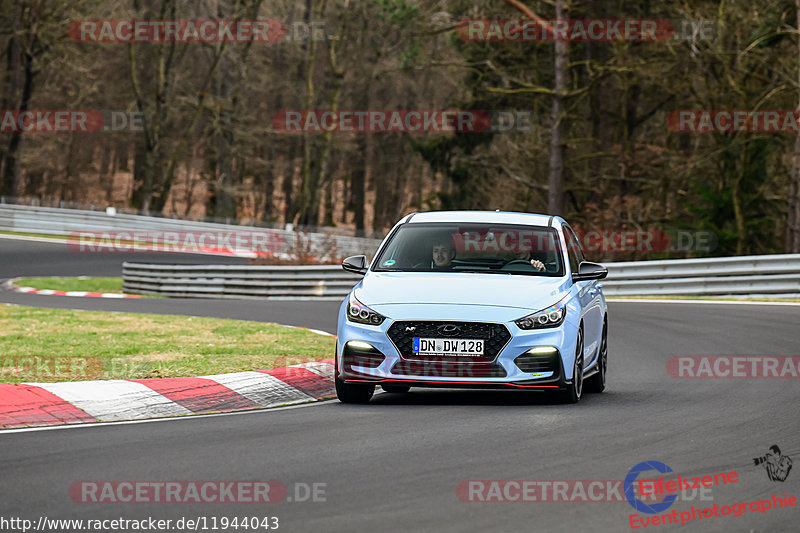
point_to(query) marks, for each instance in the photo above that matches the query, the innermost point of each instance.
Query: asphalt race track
(394, 465)
(29, 259)
(21, 258)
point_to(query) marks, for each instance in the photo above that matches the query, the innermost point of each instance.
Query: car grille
(449, 369)
(495, 337)
(538, 362)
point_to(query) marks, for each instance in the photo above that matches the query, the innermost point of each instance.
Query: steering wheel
(526, 262)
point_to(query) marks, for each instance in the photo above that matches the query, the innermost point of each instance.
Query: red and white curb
(47, 404)
(9, 284)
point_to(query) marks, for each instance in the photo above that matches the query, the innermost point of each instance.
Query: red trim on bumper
(451, 382)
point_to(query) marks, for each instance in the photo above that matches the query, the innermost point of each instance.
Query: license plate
(462, 347)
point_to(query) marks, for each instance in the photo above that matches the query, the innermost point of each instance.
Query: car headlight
(358, 312)
(546, 318)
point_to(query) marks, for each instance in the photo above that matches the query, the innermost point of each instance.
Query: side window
(573, 249)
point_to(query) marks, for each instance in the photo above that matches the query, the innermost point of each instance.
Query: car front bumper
(385, 364)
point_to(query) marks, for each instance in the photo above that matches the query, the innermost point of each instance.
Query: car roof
(497, 217)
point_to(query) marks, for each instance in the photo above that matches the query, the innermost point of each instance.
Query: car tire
(353, 393)
(573, 392)
(597, 383)
(398, 389)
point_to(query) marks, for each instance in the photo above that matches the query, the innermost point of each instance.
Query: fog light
(360, 345)
(542, 350)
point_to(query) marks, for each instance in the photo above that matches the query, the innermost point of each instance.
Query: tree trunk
(323, 176)
(10, 177)
(736, 198)
(307, 173)
(555, 195)
(223, 203)
(358, 182)
(793, 215)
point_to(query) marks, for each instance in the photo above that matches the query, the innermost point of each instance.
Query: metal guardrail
(238, 281)
(765, 274)
(56, 221)
(716, 276)
(24, 202)
(768, 274)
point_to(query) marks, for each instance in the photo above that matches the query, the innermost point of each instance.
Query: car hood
(400, 288)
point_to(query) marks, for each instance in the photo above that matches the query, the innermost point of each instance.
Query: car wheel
(597, 383)
(400, 389)
(353, 393)
(573, 393)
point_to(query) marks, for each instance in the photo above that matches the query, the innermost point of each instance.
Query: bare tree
(793, 214)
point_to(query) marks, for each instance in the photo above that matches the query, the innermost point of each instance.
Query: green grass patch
(81, 283)
(28, 234)
(47, 345)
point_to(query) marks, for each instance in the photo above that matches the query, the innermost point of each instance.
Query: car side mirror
(356, 264)
(588, 271)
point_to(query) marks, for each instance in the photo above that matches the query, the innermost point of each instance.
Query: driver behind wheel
(442, 253)
(529, 257)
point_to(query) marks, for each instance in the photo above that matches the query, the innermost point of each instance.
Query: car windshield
(479, 248)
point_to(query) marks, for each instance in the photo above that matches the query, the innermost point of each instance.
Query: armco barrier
(56, 221)
(238, 281)
(768, 274)
(716, 276)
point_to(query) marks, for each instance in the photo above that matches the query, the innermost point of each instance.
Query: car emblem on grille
(411, 328)
(449, 329)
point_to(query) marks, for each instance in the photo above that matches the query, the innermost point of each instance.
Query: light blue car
(474, 299)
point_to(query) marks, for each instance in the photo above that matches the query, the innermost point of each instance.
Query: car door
(589, 298)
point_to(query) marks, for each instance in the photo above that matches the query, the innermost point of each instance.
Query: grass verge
(82, 283)
(47, 345)
(42, 235)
